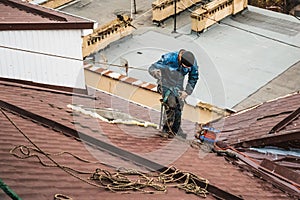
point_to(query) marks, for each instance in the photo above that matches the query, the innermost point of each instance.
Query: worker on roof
(170, 72)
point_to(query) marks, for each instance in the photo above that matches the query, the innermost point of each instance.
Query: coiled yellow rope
(133, 180)
(125, 180)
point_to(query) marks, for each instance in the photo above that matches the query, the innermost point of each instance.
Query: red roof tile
(31, 180)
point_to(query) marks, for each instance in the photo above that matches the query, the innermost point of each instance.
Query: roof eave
(46, 26)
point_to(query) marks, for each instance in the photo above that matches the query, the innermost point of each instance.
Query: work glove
(157, 74)
(182, 95)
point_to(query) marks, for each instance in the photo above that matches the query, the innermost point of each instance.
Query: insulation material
(112, 116)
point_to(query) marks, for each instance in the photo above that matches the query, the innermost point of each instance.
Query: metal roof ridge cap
(29, 87)
(237, 113)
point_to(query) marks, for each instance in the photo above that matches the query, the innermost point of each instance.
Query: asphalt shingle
(31, 180)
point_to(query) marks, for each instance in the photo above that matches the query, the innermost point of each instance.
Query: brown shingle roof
(269, 127)
(258, 121)
(31, 180)
(18, 15)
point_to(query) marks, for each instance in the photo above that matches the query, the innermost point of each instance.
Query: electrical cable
(68, 58)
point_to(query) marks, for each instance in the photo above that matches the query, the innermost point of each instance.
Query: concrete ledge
(145, 93)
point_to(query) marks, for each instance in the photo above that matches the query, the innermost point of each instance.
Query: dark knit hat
(188, 58)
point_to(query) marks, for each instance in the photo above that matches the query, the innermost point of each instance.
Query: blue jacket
(173, 74)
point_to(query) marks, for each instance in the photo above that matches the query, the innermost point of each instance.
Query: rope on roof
(123, 180)
(132, 180)
(68, 58)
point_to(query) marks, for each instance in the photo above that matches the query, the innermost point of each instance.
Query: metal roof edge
(61, 20)
(73, 15)
(46, 26)
(44, 87)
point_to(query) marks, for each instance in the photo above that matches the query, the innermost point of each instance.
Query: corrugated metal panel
(42, 68)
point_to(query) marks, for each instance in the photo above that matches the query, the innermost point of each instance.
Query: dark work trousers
(174, 106)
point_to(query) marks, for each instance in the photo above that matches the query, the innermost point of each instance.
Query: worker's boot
(167, 133)
(182, 134)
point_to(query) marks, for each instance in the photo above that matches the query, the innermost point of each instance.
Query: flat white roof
(236, 57)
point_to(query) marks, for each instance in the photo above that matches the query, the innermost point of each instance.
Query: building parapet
(52, 3)
(162, 9)
(106, 34)
(213, 12)
(145, 93)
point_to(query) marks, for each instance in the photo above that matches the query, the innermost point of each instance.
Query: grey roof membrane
(235, 58)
